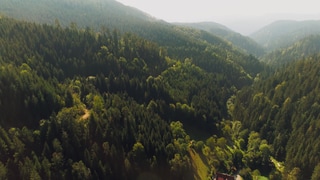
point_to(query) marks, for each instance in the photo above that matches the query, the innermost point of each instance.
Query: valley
(98, 90)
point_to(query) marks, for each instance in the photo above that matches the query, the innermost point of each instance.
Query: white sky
(226, 11)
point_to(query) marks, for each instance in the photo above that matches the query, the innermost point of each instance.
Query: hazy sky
(228, 12)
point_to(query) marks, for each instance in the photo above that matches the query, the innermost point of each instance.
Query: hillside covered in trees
(97, 90)
(283, 109)
(244, 43)
(76, 103)
(100, 14)
(301, 49)
(281, 34)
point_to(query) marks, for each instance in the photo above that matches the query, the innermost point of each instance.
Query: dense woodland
(150, 100)
(77, 103)
(285, 109)
(244, 43)
(299, 50)
(98, 14)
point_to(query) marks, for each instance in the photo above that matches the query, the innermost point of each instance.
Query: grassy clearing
(200, 167)
(259, 178)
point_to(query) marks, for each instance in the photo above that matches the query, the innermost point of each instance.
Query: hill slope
(206, 50)
(80, 104)
(242, 42)
(284, 109)
(301, 49)
(138, 91)
(283, 33)
(106, 12)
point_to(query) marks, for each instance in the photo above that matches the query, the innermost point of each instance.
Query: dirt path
(86, 114)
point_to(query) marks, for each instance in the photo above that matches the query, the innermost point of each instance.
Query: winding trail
(86, 114)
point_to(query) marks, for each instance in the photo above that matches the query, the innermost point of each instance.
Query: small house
(222, 176)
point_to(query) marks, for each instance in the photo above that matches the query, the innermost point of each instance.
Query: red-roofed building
(222, 176)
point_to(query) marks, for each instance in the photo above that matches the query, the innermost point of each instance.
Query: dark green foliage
(215, 55)
(23, 91)
(88, 99)
(77, 104)
(198, 94)
(284, 109)
(206, 50)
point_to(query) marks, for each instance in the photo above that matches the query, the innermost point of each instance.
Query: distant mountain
(305, 47)
(231, 67)
(283, 33)
(242, 42)
(90, 13)
(107, 15)
(214, 27)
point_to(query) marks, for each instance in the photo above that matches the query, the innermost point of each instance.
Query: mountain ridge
(119, 103)
(280, 34)
(244, 43)
(300, 49)
(108, 14)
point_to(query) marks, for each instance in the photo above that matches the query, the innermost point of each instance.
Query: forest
(150, 100)
(76, 104)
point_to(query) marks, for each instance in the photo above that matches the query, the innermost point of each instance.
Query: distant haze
(250, 24)
(245, 16)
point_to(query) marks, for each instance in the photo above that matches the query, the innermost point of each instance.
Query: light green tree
(80, 171)
(316, 172)
(3, 171)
